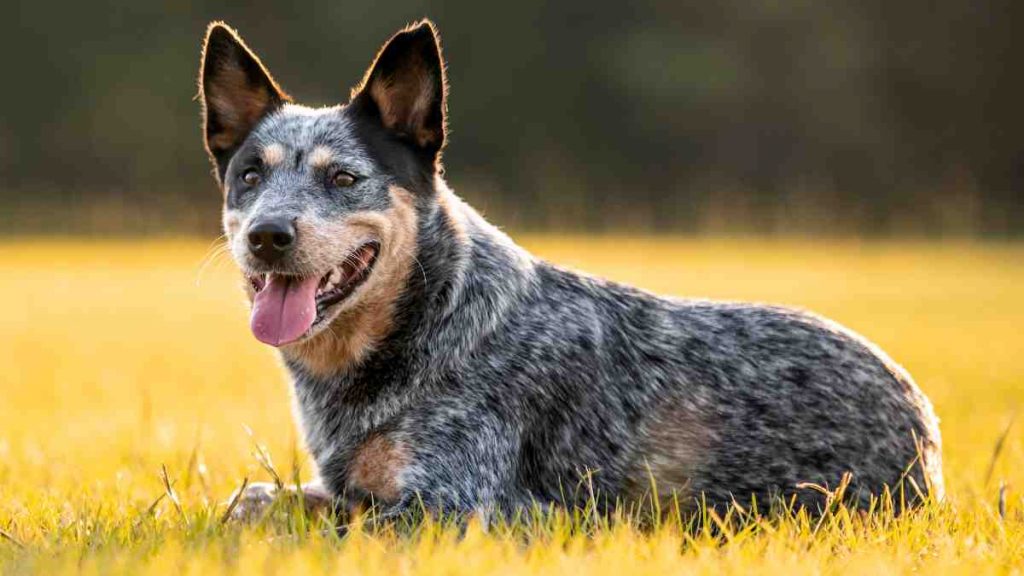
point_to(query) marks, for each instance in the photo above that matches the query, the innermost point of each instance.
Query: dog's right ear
(236, 92)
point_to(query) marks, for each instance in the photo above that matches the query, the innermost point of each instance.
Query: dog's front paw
(257, 498)
(251, 504)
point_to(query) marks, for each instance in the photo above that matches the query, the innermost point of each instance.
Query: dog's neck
(445, 279)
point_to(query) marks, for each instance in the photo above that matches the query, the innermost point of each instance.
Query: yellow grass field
(118, 358)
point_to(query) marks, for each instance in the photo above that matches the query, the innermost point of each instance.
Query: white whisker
(218, 248)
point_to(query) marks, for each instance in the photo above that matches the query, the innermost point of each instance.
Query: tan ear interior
(238, 105)
(404, 101)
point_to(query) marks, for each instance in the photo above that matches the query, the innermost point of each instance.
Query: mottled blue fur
(511, 377)
(508, 381)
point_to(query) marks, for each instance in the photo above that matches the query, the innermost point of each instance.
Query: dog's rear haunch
(435, 361)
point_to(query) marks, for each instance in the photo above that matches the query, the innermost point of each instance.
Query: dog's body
(435, 361)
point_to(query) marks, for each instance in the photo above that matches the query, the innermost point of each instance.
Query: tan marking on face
(321, 157)
(377, 466)
(358, 329)
(671, 447)
(273, 154)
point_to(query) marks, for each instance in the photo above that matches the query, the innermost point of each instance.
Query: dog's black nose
(271, 239)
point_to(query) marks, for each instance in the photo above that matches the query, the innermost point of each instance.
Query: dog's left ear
(405, 88)
(236, 92)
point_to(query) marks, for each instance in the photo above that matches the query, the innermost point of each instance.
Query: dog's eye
(342, 179)
(251, 177)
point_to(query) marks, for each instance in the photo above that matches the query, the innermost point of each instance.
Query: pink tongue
(284, 309)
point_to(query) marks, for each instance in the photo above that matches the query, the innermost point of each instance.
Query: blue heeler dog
(437, 363)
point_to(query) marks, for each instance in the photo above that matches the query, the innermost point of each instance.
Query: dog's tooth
(335, 276)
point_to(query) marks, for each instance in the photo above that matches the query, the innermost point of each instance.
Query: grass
(130, 379)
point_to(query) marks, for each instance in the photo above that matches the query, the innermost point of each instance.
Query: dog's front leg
(455, 477)
(258, 497)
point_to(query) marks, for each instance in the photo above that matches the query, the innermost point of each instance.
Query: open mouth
(285, 307)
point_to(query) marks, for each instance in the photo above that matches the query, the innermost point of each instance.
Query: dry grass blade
(5, 535)
(833, 498)
(917, 488)
(150, 510)
(721, 523)
(263, 457)
(1002, 501)
(171, 494)
(998, 449)
(816, 487)
(155, 503)
(235, 500)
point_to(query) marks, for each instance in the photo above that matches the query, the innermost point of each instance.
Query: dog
(437, 364)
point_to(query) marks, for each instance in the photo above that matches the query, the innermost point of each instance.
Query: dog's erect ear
(405, 88)
(236, 92)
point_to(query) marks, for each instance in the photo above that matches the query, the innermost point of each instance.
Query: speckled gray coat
(501, 380)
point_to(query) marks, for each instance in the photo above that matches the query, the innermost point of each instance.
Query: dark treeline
(791, 117)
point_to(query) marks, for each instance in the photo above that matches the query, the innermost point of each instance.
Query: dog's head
(320, 205)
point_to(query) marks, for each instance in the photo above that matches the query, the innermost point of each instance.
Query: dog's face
(320, 206)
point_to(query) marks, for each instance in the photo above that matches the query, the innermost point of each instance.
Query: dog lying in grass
(436, 363)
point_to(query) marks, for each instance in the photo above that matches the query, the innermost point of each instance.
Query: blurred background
(788, 117)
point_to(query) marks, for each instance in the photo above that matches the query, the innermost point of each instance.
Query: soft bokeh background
(741, 116)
